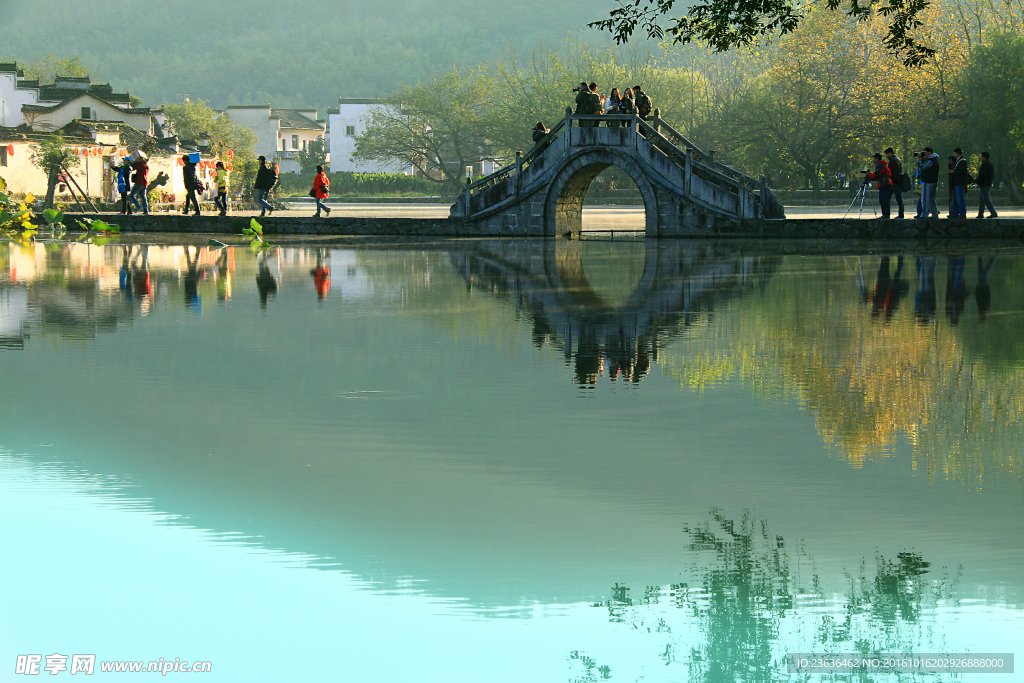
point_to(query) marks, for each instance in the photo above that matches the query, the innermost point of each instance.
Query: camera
(577, 89)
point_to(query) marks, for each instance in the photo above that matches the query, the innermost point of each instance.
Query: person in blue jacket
(124, 184)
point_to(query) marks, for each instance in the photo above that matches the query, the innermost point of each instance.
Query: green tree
(46, 69)
(314, 155)
(811, 105)
(196, 120)
(52, 150)
(725, 24)
(995, 92)
(438, 128)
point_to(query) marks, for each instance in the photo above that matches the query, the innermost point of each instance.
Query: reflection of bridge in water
(679, 286)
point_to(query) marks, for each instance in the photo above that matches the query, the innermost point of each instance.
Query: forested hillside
(298, 53)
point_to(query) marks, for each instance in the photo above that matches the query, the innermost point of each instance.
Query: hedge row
(346, 183)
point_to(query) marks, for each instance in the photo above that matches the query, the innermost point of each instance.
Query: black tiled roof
(291, 118)
(24, 133)
(52, 93)
(129, 137)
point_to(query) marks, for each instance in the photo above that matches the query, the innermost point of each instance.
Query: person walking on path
(928, 165)
(265, 181)
(960, 178)
(188, 172)
(221, 178)
(896, 170)
(140, 185)
(984, 180)
(884, 177)
(124, 185)
(322, 190)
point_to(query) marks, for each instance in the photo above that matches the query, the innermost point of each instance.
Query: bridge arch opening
(601, 178)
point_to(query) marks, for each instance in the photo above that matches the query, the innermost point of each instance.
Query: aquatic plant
(96, 231)
(254, 231)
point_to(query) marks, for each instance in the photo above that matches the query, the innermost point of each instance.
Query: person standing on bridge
(644, 104)
(626, 105)
(582, 98)
(589, 106)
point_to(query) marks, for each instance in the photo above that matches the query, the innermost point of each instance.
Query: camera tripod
(862, 194)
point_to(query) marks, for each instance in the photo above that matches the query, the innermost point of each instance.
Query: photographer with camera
(884, 177)
(588, 103)
(582, 95)
(896, 170)
(928, 170)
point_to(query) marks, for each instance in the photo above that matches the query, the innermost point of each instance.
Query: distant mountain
(298, 53)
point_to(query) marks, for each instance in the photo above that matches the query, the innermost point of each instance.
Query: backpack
(906, 184)
(644, 104)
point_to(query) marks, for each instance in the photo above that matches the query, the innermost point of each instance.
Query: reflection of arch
(563, 207)
(546, 279)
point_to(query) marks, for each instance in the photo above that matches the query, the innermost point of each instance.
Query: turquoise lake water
(519, 460)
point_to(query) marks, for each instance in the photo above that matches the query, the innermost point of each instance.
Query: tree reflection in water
(750, 607)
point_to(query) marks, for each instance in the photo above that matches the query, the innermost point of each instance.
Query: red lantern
(231, 155)
(10, 149)
(180, 162)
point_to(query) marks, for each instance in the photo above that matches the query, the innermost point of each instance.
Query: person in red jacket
(140, 185)
(322, 190)
(884, 177)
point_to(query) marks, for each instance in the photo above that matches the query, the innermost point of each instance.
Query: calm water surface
(510, 460)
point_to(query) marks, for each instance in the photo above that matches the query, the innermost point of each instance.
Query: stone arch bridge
(685, 191)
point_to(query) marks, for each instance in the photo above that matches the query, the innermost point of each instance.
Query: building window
(86, 113)
(295, 142)
(3, 155)
(350, 131)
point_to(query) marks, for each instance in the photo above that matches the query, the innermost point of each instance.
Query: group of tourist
(892, 181)
(633, 102)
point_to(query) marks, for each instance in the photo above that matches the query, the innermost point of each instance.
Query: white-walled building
(50, 107)
(343, 125)
(282, 133)
(15, 91)
(87, 107)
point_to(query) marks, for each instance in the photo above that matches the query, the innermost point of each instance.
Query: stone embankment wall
(764, 229)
